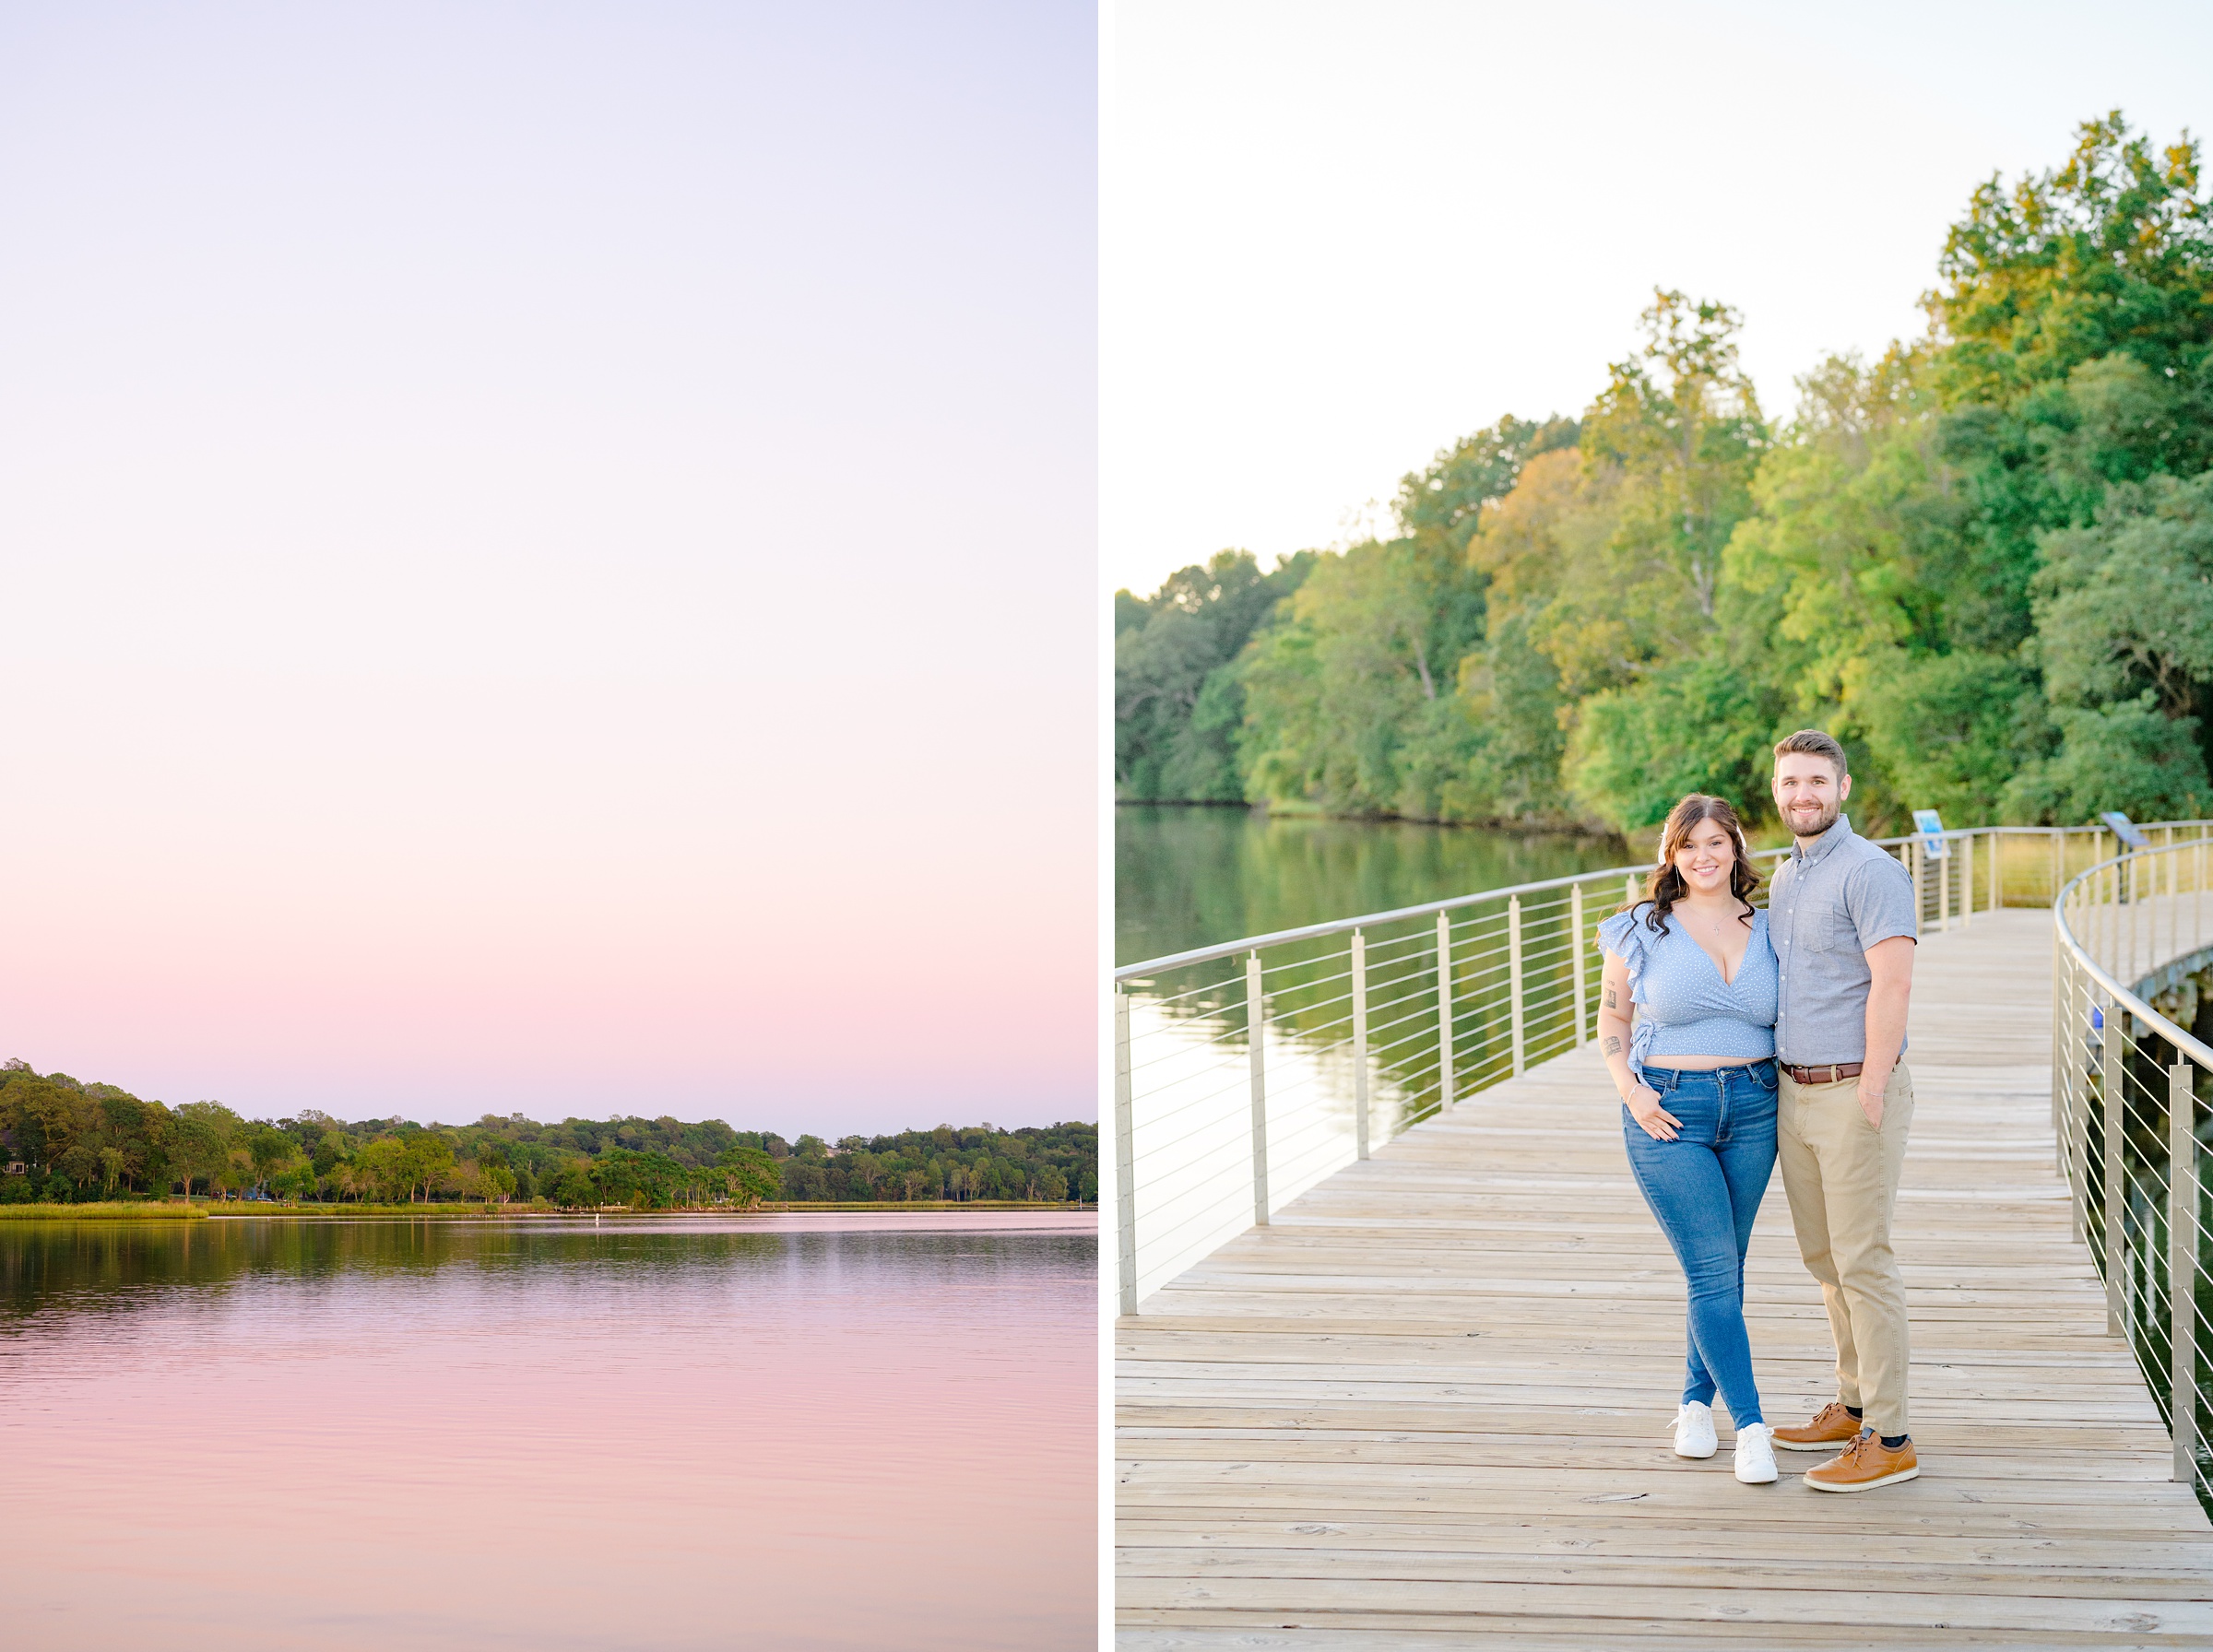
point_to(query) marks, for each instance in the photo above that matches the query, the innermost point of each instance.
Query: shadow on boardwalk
(1429, 1406)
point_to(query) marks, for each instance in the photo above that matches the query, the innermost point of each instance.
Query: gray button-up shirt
(1834, 898)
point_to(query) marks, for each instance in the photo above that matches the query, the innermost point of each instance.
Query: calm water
(783, 1432)
(1187, 878)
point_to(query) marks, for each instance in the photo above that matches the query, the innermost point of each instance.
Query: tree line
(70, 1141)
(1985, 560)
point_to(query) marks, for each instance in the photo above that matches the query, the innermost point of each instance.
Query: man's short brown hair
(1814, 742)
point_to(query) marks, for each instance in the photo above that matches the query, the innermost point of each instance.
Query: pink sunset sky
(548, 559)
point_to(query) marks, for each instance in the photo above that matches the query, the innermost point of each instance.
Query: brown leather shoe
(1865, 1464)
(1833, 1426)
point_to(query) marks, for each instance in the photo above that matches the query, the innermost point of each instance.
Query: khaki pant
(1842, 1176)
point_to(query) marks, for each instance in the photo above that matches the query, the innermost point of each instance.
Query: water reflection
(804, 1431)
(1187, 878)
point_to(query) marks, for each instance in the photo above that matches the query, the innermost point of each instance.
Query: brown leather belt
(1835, 1073)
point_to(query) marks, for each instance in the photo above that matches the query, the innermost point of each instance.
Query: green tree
(205, 1133)
(1177, 704)
(1354, 697)
(574, 1188)
(496, 1180)
(1680, 424)
(273, 1153)
(1696, 726)
(1946, 731)
(1333, 696)
(2124, 634)
(2106, 256)
(425, 1163)
(753, 1175)
(384, 1168)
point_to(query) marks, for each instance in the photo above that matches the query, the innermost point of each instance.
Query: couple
(1759, 1029)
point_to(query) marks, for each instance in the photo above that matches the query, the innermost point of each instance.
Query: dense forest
(1985, 561)
(72, 1143)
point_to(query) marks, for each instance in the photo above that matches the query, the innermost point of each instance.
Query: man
(1842, 915)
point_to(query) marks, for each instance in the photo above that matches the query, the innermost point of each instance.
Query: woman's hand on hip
(1643, 1103)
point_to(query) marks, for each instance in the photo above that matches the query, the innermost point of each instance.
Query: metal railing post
(1359, 1044)
(1997, 871)
(1513, 977)
(1576, 943)
(2174, 897)
(1444, 1011)
(1918, 857)
(2059, 861)
(2109, 917)
(2061, 992)
(2115, 1224)
(2078, 1128)
(1125, 1157)
(1255, 1021)
(2092, 892)
(2135, 915)
(2182, 1266)
(2062, 1016)
(1944, 885)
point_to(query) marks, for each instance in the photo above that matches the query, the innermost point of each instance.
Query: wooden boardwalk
(1429, 1406)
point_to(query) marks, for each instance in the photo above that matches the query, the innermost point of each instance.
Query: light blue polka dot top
(1683, 1007)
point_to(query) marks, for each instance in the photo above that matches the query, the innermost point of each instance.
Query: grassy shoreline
(105, 1210)
(152, 1210)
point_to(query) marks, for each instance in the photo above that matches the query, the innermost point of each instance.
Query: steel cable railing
(2129, 1080)
(1334, 1037)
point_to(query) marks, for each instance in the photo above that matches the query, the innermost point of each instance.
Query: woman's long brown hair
(1666, 885)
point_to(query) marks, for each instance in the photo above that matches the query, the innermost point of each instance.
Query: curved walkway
(1429, 1406)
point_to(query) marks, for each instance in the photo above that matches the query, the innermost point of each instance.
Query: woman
(1697, 1080)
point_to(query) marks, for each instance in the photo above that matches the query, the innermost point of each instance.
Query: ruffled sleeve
(1628, 936)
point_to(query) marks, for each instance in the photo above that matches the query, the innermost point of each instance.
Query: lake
(1187, 878)
(850, 1431)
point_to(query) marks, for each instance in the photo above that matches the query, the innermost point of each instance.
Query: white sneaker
(1755, 1455)
(1694, 1429)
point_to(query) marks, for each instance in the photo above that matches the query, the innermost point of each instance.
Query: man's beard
(1821, 823)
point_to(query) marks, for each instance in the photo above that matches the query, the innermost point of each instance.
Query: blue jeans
(1705, 1187)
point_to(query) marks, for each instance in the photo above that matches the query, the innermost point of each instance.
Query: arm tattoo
(1613, 1046)
(1609, 998)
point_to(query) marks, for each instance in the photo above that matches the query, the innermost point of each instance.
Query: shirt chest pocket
(1822, 928)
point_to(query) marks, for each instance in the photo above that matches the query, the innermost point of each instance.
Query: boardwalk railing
(2129, 1082)
(1247, 1071)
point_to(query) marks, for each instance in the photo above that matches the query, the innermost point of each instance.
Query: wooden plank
(1428, 1405)
(1872, 1606)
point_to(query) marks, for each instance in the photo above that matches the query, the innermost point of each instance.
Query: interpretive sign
(1933, 842)
(2129, 833)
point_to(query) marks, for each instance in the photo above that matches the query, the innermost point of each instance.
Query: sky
(1336, 238)
(548, 556)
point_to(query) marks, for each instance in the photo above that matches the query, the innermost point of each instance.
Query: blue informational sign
(2129, 833)
(1933, 840)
